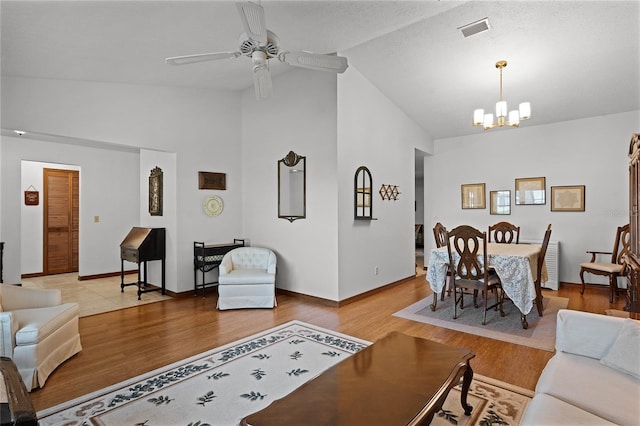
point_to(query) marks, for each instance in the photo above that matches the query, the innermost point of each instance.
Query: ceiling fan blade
(203, 57)
(262, 81)
(252, 16)
(315, 61)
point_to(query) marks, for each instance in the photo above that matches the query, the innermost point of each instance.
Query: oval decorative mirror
(362, 194)
(292, 187)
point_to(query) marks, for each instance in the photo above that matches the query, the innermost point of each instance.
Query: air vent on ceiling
(475, 27)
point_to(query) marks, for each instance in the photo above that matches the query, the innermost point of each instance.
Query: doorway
(419, 212)
(61, 205)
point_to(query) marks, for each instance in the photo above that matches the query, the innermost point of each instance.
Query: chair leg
(484, 309)
(446, 281)
(613, 287)
(582, 279)
(435, 301)
(455, 302)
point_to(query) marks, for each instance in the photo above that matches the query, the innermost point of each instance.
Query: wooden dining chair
(471, 274)
(442, 239)
(505, 233)
(613, 269)
(538, 280)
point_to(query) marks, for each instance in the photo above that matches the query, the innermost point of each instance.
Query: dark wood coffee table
(398, 380)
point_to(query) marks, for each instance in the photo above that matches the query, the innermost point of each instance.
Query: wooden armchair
(470, 273)
(505, 233)
(613, 269)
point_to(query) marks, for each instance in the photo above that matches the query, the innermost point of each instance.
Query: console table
(207, 257)
(398, 380)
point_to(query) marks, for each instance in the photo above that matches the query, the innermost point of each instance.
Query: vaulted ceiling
(570, 59)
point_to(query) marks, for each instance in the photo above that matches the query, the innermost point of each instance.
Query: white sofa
(38, 331)
(247, 277)
(594, 376)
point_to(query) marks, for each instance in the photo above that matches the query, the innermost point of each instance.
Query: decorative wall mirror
(362, 194)
(292, 187)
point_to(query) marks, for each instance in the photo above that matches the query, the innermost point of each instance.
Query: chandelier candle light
(486, 120)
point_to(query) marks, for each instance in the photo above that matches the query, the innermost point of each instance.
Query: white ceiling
(570, 59)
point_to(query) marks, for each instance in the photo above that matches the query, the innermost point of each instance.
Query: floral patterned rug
(221, 386)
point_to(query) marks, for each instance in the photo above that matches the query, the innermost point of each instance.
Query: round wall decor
(213, 205)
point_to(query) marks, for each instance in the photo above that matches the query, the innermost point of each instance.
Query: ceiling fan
(260, 44)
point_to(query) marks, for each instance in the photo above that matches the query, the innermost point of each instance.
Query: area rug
(494, 403)
(222, 386)
(540, 334)
(218, 387)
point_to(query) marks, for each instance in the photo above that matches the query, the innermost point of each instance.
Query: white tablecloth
(515, 264)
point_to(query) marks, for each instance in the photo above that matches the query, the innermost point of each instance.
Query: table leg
(523, 319)
(466, 383)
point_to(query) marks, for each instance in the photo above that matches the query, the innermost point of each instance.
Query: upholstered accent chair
(247, 277)
(38, 331)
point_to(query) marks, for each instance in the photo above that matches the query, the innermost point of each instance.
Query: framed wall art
(473, 196)
(531, 191)
(211, 180)
(31, 196)
(155, 192)
(567, 198)
(500, 202)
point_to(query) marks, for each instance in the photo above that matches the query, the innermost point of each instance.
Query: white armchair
(247, 277)
(38, 331)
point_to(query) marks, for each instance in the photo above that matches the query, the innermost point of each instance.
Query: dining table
(515, 264)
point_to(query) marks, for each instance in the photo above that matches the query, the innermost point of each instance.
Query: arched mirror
(362, 194)
(292, 187)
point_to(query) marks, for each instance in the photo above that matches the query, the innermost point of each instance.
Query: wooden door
(61, 220)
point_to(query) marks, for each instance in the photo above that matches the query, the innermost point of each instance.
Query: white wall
(590, 152)
(374, 132)
(104, 175)
(33, 216)
(201, 127)
(299, 117)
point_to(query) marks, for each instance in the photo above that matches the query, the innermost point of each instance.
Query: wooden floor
(125, 343)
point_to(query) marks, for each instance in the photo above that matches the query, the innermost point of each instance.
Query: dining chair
(538, 280)
(442, 237)
(471, 273)
(505, 233)
(613, 269)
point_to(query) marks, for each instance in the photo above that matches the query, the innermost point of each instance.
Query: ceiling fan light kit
(260, 44)
(512, 118)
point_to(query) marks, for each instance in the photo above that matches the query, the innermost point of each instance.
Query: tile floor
(97, 295)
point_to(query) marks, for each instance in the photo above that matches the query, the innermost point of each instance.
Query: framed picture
(473, 196)
(155, 192)
(500, 202)
(567, 198)
(31, 198)
(531, 191)
(211, 180)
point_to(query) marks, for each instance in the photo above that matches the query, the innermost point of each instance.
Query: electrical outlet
(375, 270)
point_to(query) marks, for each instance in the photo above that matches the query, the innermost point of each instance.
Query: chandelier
(513, 119)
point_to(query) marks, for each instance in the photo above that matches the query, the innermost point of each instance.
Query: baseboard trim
(592, 286)
(339, 303)
(83, 277)
(107, 275)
